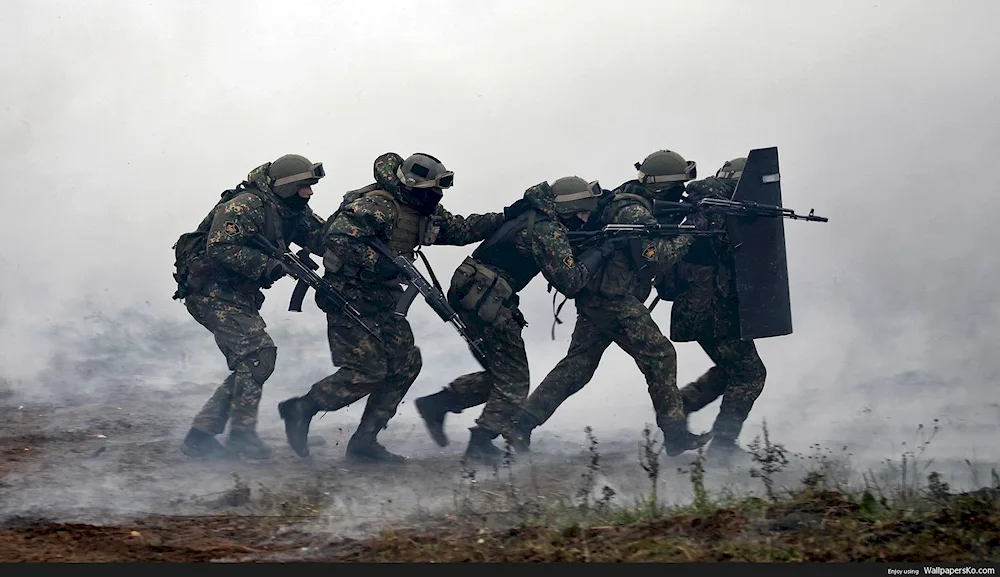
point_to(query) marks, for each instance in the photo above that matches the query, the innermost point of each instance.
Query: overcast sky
(123, 121)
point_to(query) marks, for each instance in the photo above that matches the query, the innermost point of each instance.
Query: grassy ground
(903, 513)
(822, 520)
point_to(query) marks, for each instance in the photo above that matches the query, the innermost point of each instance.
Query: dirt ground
(85, 481)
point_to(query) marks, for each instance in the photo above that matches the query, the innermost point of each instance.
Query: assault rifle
(433, 296)
(733, 210)
(583, 238)
(438, 302)
(297, 268)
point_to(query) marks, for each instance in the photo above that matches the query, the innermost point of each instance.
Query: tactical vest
(192, 269)
(704, 270)
(624, 268)
(500, 251)
(487, 282)
(409, 230)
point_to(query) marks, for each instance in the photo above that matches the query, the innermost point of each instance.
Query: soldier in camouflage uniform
(220, 277)
(401, 209)
(610, 309)
(484, 292)
(706, 310)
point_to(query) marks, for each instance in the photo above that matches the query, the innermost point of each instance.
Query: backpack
(191, 245)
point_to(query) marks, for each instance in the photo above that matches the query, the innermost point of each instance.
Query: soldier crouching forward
(401, 209)
(220, 276)
(610, 309)
(484, 291)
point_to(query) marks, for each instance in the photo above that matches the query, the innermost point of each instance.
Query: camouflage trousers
(738, 377)
(505, 379)
(383, 371)
(626, 322)
(240, 333)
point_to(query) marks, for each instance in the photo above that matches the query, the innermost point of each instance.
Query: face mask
(573, 222)
(427, 199)
(295, 202)
(671, 193)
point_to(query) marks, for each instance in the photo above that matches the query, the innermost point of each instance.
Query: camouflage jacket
(620, 275)
(229, 269)
(360, 273)
(705, 306)
(519, 255)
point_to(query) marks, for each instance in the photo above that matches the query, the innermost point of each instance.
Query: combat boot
(481, 449)
(199, 444)
(297, 413)
(369, 450)
(677, 439)
(434, 408)
(725, 451)
(246, 442)
(520, 437)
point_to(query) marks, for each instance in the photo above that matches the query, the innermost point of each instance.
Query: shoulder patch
(649, 253)
(568, 261)
(231, 228)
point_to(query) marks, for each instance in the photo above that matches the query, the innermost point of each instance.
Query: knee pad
(261, 364)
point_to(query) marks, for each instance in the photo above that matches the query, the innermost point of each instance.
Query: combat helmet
(422, 179)
(574, 195)
(291, 172)
(732, 168)
(664, 169)
(424, 171)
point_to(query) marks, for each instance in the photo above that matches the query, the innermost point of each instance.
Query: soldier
(484, 292)
(610, 309)
(220, 276)
(402, 209)
(706, 310)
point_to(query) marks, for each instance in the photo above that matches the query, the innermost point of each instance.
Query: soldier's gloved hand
(612, 245)
(698, 220)
(272, 272)
(594, 258)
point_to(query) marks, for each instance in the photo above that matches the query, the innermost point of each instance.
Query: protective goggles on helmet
(690, 173)
(316, 172)
(443, 180)
(727, 173)
(593, 190)
(583, 201)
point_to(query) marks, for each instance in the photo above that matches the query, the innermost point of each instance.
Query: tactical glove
(273, 271)
(613, 245)
(595, 258)
(698, 220)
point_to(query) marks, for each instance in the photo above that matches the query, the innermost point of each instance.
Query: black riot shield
(761, 263)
